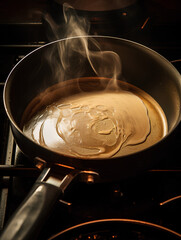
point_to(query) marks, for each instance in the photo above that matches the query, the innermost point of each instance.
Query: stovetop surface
(145, 197)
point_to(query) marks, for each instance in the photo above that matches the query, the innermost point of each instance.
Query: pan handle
(34, 210)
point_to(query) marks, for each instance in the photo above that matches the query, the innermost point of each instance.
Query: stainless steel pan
(142, 67)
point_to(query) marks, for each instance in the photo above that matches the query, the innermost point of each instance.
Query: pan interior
(82, 118)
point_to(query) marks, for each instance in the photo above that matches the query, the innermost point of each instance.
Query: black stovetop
(145, 197)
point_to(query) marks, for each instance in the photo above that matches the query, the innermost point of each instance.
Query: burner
(108, 229)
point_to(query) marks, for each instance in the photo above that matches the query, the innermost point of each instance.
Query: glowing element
(94, 124)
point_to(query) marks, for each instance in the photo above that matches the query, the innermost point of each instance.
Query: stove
(153, 196)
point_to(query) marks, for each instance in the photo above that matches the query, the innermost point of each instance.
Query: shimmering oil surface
(99, 123)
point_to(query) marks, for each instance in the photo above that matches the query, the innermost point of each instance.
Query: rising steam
(75, 50)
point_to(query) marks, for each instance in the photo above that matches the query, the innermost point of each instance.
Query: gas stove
(153, 196)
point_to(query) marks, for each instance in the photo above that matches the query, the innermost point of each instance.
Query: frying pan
(35, 73)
